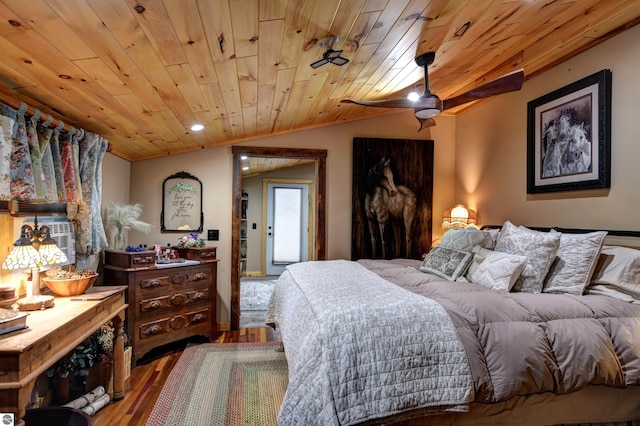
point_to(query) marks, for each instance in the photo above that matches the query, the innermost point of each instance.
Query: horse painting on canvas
(392, 198)
(388, 204)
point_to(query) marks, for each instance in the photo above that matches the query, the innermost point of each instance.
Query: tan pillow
(619, 267)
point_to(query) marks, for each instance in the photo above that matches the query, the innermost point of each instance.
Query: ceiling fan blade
(426, 122)
(384, 103)
(507, 83)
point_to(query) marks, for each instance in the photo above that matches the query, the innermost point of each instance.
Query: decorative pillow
(446, 262)
(575, 262)
(490, 237)
(463, 239)
(494, 269)
(619, 267)
(539, 247)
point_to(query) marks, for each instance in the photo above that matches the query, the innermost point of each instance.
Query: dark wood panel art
(392, 198)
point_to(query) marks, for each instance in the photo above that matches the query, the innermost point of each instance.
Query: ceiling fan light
(413, 96)
(319, 63)
(427, 113)
(330, 54)
(340, 61)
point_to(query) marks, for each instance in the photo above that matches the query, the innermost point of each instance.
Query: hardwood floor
(147, 380)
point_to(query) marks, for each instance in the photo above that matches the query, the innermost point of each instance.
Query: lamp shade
(50, 253)
(22, 256)
(458, 217)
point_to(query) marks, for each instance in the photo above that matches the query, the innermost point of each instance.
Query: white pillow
(539, 247)
(495, 270)
(575, 262)
(463, 239)
(446, 262)
(620, 267)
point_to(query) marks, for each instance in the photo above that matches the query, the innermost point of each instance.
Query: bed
(519, 326)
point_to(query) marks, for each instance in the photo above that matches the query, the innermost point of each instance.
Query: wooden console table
(51, 334)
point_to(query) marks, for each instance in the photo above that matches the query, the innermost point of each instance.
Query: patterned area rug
(224, 384)
(255, 295)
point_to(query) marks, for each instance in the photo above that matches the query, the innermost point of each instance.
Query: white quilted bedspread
(360, 348)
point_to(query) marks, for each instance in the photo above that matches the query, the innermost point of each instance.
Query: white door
(287, 227)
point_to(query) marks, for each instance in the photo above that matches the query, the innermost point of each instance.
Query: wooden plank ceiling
(141, 72)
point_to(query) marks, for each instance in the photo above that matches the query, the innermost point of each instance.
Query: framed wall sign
(181, 204)
(569, 137)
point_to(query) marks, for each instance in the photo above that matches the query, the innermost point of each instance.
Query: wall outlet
(213, 234)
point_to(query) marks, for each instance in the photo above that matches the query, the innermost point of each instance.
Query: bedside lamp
(459, 217)
(35, 248)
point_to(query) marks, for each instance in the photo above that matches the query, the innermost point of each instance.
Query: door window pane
(287, 225)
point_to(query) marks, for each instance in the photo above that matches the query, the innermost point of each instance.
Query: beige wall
(491, 143)
(115, 183)
(214, 167)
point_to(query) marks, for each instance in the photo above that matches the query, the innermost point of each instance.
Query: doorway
(287, 224)
(319, 217)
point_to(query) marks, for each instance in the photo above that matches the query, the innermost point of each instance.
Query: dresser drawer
(172, 279)
(169, 302)
(172, 323)
(123, 259)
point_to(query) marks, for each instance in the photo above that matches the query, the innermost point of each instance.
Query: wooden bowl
(71, 287)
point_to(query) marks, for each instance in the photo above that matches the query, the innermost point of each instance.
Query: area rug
(255, 295)
(224, 384)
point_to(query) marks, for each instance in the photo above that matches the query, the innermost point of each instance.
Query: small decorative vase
(118, 242)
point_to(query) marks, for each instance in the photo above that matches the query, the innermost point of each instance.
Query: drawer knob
(199, 295)
(153, 304)
(198, 318)
(199, 276)
(207, 254)
(151, 283)
(153, 330)
(142, 260)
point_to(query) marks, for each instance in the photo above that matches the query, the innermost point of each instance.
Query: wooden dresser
(167, 302)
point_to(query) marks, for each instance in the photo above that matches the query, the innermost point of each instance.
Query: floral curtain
(50, 165)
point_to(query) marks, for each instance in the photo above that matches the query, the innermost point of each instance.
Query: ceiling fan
(428, 105)
(330, 55)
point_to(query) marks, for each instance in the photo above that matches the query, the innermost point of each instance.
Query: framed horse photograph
(392, 198)
(569, 137)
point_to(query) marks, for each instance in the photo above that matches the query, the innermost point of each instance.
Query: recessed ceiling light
(197, 127)
(243, 157)
(245, 168)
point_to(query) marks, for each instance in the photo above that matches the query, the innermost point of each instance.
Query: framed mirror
(181, 204)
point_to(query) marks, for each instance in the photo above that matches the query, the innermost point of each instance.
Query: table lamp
(459, 217)
(35, 248)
